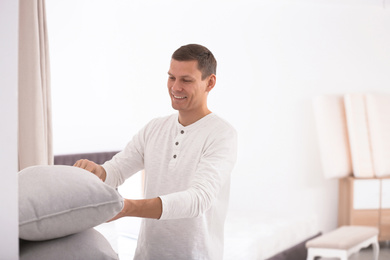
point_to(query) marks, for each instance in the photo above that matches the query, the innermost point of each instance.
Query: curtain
(35, 126)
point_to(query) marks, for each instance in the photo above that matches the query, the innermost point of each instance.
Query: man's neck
(187, 119)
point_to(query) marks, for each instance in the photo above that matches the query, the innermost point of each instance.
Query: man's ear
(212, 80)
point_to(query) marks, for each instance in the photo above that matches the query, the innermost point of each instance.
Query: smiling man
(188, 158)
(189, 83)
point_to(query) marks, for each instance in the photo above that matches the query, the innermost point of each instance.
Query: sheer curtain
(35, 126)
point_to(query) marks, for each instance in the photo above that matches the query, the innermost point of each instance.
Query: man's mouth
(179, 97)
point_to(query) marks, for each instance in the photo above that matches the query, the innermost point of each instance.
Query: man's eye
(186, 80)
(171, 78)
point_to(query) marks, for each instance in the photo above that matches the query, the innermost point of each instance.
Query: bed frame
(297, 252)
(70, 159)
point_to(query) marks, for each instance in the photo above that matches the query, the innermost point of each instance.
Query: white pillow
(56, 201)
(86, 245)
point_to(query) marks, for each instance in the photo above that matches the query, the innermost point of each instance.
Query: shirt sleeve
(127, 162)
(213, 172)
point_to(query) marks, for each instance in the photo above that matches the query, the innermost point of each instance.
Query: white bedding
(258, 236)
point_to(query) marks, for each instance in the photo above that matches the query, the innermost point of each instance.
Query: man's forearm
(145, 208)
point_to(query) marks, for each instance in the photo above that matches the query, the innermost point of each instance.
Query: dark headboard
(70, 159)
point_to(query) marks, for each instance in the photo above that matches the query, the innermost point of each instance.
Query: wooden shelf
(360, 203)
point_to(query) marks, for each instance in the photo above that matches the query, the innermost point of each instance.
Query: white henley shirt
(189, 168)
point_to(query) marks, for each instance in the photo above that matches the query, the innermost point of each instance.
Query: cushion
(359, 135)
(344, 237)
(332, 132)
(56, 201)
(86, 245)
(378, 107)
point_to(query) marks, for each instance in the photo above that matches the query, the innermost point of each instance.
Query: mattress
(259, 236)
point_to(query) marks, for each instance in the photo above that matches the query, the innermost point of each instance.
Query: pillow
(56, 201)
(86, 245)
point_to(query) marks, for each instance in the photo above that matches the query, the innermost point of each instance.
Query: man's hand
(90, 166)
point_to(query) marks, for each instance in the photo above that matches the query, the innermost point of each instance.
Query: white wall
(109, 65)
(9, 242)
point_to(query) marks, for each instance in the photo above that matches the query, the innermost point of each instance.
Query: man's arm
(145, 208)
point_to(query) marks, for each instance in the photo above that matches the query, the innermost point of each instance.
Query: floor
(366, 254)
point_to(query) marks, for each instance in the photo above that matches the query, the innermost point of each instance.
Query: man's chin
(176, 107)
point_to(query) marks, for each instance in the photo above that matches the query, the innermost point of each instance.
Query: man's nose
(176, 86)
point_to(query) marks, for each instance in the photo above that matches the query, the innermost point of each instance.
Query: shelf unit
(365, 201)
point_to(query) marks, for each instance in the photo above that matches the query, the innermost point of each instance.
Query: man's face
(186, 88)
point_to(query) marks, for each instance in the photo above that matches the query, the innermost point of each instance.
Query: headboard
(70, 159)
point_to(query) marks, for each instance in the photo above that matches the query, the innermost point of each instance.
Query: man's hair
(206, 61)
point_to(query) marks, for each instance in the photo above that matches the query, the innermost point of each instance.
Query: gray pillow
(56, 201)
(86, 245)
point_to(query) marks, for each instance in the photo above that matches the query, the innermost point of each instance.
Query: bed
(249, 235)
(259, 236)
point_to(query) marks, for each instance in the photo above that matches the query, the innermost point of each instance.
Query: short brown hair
(207, 63)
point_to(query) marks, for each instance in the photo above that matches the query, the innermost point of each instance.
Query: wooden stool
(343, 242)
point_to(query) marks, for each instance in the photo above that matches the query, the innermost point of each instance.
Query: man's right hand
(91, 166)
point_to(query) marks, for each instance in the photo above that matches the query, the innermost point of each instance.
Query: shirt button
(174, 157)
(182, 131)
(177, 143)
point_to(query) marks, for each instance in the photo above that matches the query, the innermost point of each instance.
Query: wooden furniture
(365, 201)
(343, 242)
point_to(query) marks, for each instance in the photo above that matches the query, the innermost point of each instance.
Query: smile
(179, 97)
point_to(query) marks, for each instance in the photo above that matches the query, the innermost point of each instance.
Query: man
(188, 158)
